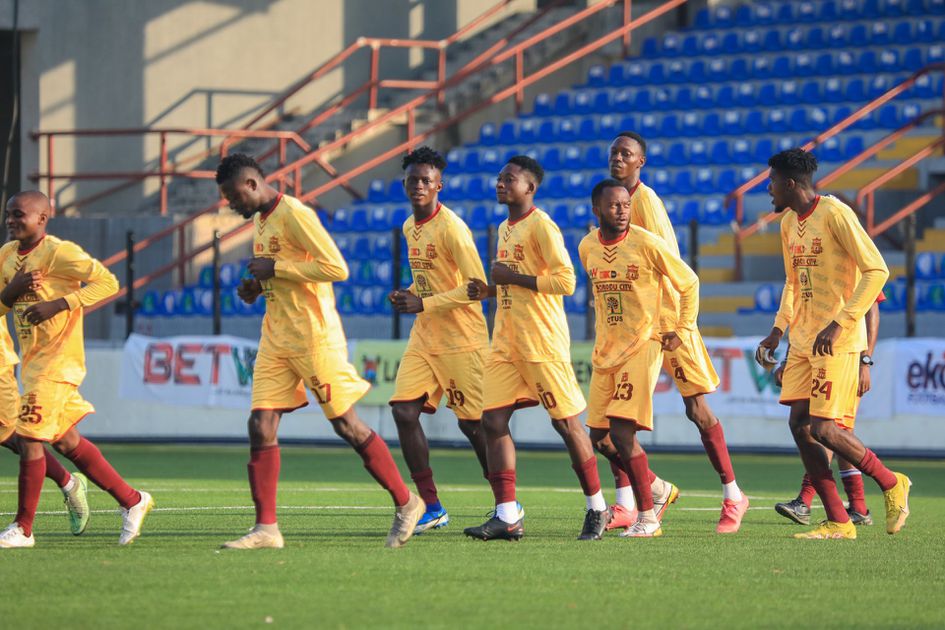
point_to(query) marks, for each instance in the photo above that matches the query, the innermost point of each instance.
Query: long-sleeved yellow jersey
(627, 277)
(7, 351)
(647, 211)
(54, 349)
(300, 303)
(443, 258)
(833, 272)
(531, 325)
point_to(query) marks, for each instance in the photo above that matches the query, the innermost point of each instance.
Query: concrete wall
(210, 63)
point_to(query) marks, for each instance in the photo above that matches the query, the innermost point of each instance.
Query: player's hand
(823, 344)
(262, 268)
(779, 374)
(502, 273)
(21, 282)
(864, 384)
(406, 302)
(248, 290)
(38, 313)
(764, 354)
(477, 289)
(671, 341)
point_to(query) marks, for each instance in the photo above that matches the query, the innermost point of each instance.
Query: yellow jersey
(443, 258)
(833, 272)
(7, 352)
(531, 325)
(647, 211)
(54, 349)
(300, 303)
(627, 277)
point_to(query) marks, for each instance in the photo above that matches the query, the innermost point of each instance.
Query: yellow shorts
(279, 383)
(527, 383)
(458, 375)
(627, 392)
(690, 365)
(9, 403)
(48, 409)
(828, 382)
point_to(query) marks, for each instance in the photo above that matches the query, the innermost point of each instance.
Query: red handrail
(414, 138)
(372, 87)
(738, 195)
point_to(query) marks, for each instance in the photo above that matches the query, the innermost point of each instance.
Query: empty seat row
(845, 62)
(196, 301)
(766, 13)
(879, 33)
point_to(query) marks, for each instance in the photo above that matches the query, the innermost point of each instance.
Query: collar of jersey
(23, 252)
(801, 217)
(432, 214)
(524, 216)
(613, 242)
(265, 215)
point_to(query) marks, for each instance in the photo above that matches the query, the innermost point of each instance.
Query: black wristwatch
(866, 359)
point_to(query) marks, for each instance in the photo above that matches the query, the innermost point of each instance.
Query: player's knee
(699, 414)
(404, 416)
(469, 428)
(263, 427)
(823, 431)
(494, 425)
(561, 427)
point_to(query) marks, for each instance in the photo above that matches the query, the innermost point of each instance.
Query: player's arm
(560, 279)
(786, 309)
(856, 242)
(21, 282)
(872, 332)
(464, 253)
(327, 264)
(686, 283)
(72, 262)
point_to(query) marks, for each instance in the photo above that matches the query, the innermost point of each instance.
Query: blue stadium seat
(576, 186)
(924, 87)
(698, 153)
(697, 72)
(561, 216)
(676, 156)
(379, 218)
(853, 147)
(845, 63)
(732, 123)
(583, 102)
(527, 132)
(727, 181)
(811, 93)
(713, 213)
(745, 95)
(763, 150)
(634, 74)
(690, 125)
(725, 97)
(508, 133)
(470, 162)
(648, 125)
(751, 41)
(676, 72)
(806, 11)
(581, 215)
(398, 216)
(741, 152)
(823, 65)
(879, 34)
(551, 159)
(704, 184)
(657, 73)
(616, 76)
(596, 77)
(553, 188)
(703, 97)
(717, 70)
(778, 120)
(656, 154)
(768, 94)
(602, 103)
(659, 180)
(936, 53)
(683, 183)
(772, 41)
(761, 67)
(878, 86)
(650, 48)
(567, 131)
(711, 44)
(688, 212)
(754, 122)
(608, 127)
(917, 7)
(671, 45)
(488, 135)
(167, 306)
(712, 125)
(767, 298)
(789, 92)
(868, 63)
(924, 31)
(643, 101)
(381, 247)
(902, 33)
(683, 99)
(836, 36)
(669, 127)
(358, 220)
(563, 105)
(848, 10)
(662, 100)
(543, 105)
(377, 191)
(829, 151)
(925, 266)
(720, 153)
(731, 43)
(888, 116)
(833, 91)
(888, 61)
(573, 158)
(724, 17)
(894, 8)
(859, 36)
(794, 39)
(703, 19)
(912, 59)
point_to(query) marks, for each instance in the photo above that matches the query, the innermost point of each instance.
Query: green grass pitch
(336, 573)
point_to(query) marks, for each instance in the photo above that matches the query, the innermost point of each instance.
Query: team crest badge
(431, 251)
(633, 272)
(274, 246)
(816, 247)
(519, 253)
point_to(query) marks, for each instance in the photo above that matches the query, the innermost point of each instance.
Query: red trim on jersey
(613, 242)
(22, 252)
(881, 298)
(634, 189)
(801, 217)
(265, 215)
(430, 218)
(524, 216)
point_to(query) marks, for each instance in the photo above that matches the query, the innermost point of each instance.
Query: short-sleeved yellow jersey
(833, 273)
(627, 277)
(300, 303)
(531, 325)
(54, 349)
(443, 258)
(648, 212)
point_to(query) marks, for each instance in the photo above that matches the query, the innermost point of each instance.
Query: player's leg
(508, 520)
(623, 432)
(135, 504)
(473, 431)
(30, 483)
(623, 512)
(462, 376)
(734, 503)
(74, 488)
(852, 480)
(584, 463)
(833, 389)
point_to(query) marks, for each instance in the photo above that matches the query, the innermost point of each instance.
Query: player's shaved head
(633, 135)
(26, 216)
(31, 201)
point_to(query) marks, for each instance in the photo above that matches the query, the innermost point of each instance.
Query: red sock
(56, 471)
(380, 463)
(872, 466)
(621, 480)
(827, 491)
(650, 476)
(807, 490)
(638, 469)
(503, 486)
(31, 484)
(263, 468)
(89, 460)
(853, 486)
(713, 439)
(425, 486)
(588, 476)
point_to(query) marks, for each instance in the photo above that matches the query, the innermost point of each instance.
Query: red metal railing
(516, 90)
(738, 195)
(371, 87)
